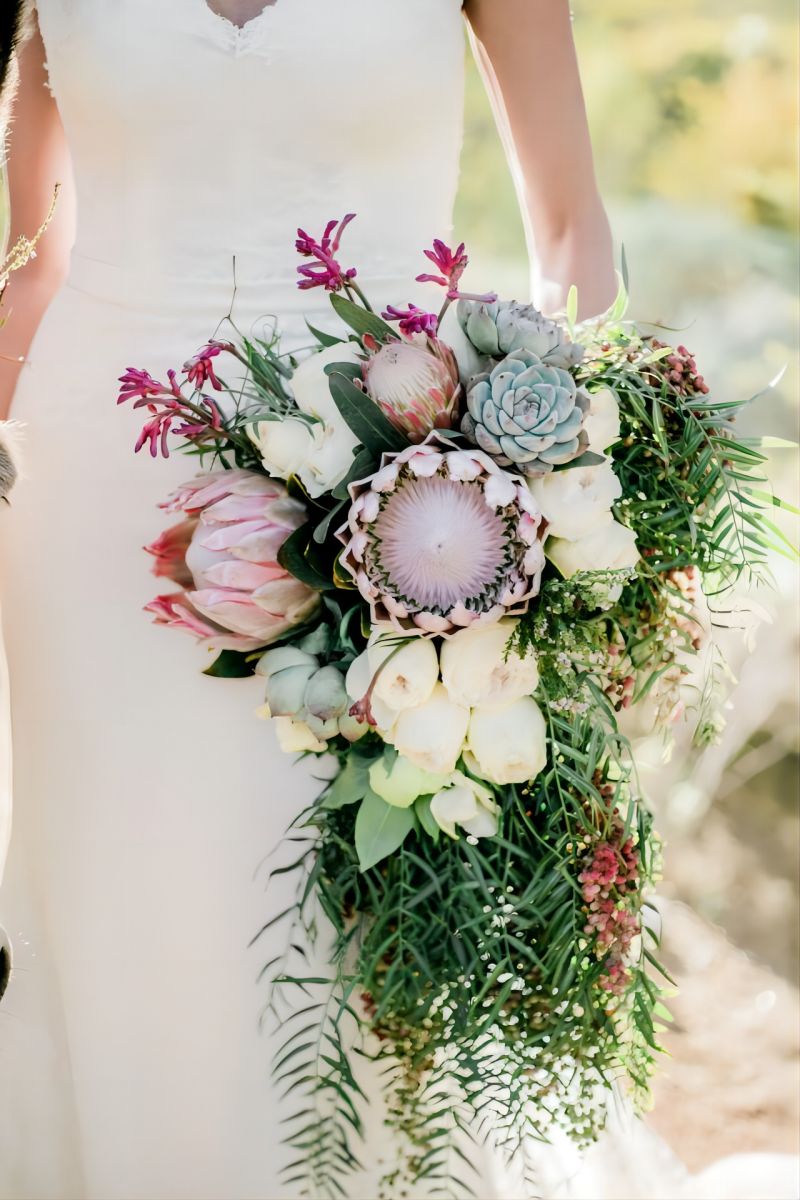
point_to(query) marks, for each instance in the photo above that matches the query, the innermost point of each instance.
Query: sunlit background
(693, 108)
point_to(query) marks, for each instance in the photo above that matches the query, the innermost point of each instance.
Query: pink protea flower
(241, 520)
(439, 538)
(169, 551)
(415, 384)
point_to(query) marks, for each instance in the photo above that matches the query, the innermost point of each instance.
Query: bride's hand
(527, 53)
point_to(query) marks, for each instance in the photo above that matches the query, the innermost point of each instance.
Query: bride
(184, 135)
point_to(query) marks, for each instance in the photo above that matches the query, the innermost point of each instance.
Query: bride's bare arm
(527, 53)
(37, 159)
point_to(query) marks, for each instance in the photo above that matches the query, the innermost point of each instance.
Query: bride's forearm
(526, 51)
(26, 300)
(581, 254)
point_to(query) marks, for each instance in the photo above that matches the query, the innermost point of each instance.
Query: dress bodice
(194, 141)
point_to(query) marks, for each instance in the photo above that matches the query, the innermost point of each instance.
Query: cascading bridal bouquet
(466, 566)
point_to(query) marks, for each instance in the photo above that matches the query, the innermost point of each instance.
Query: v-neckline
(239, 31)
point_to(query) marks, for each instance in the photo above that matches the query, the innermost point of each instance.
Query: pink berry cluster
(610, 883)
(680, 369)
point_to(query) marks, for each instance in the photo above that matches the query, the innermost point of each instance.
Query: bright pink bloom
(415, 384)
(200, 368)
(166, 405)
(412, 320)
(451, 264)
(327, 273)
(241, 519)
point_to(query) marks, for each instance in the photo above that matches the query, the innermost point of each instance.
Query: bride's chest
(315, 65)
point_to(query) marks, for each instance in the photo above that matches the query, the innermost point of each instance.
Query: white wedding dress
(147, 795)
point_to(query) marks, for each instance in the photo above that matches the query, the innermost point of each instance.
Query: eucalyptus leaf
(350, 785)
(364, 418)
(232, 664)
(380, 829)
(362, 321)
(422, 807)
(293, 557)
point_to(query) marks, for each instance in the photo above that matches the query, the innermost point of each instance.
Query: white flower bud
(476, 670)
(507, 745)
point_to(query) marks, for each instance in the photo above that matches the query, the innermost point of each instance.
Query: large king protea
(440, 538)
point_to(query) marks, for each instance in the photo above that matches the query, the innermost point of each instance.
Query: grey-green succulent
(300, 688)
(527, 414)
(504, 326)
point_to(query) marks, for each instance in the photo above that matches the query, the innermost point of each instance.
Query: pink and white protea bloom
(415, 384)
(440, 538)
(241, 520)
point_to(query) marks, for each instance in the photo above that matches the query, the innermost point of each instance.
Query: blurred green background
(693, 111)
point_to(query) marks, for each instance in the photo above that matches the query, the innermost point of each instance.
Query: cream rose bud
(601, 423)
(477, 671)
(285, 445)
(578, 500)
(432, 735)
(609, 548)
(295, 736)
(406, 673)
(398, 781)
(357, 682)
(507, 745)
(465, 802)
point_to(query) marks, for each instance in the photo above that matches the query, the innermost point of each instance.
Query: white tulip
(507, 745)
(465, 802)
(432, 735)
(578, 500)
(601, 423)
(400, 782)
(295, 736)
(609, 548)
(406, 672)
(477, 671)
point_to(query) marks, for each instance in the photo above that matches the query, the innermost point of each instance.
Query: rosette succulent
(440, 538)
(505, 326)
(527, 414)
(414, 383)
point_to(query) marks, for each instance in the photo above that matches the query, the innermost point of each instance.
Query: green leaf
(380, 829)
(422, 807)
(351, 784)
(293, 557)
(572, 306)
(587, 459)
(362, 321)
(321, 530)
(364, 463)
(365, 419)
(232, 664)
(324, 339)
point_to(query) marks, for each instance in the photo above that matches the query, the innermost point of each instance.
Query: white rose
(400, 782)
(295, 736)
(329, 452)
(609, 548)
(601, 423)
(476, 671)
(432, 735)
(405, 676)
(465, 802)
(507, 745)
(578, 500)
(285, 445)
